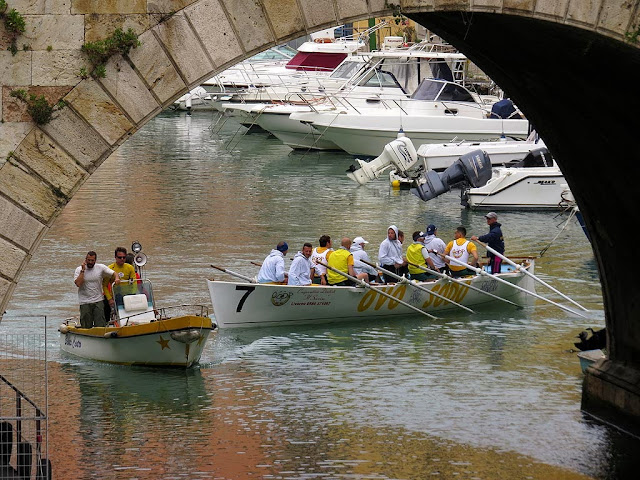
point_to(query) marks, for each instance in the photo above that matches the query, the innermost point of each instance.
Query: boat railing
(171, 311)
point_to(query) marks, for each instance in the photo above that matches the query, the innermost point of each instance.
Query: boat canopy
(315, 61)
(441, 90)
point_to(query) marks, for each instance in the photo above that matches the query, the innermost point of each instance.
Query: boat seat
(137, 307)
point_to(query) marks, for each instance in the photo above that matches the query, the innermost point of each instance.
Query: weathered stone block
(217, 36)
(285, 16)
(155, 66)
(351, 8)
(318, 12)
(60, 32)
(521, 5)
(12, 258)
(41, 7)
(18, 226)
(100, 26)
(15, 69)
(492, 5)
(95, 106)
(15, 110)
(40, 153)
(248, 18)
(59, 67)
(5, 287)
(614, 15)
(167, 6)
(109, 6)
(184, 47)
(124, 84)
(585, 12)
(11, 134)
(29, 191)
(552, 8)
(75, 136)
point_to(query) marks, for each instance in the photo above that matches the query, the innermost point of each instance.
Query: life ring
(323, 40)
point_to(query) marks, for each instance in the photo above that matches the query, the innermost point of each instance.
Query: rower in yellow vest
(418, 254)
(341, 259)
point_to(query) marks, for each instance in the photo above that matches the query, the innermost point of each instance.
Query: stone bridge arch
(572, 65)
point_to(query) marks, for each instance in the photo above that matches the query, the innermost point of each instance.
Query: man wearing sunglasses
(125, 272)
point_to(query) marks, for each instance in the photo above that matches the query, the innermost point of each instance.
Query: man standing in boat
(495, 240)
(88, 278)
(125, 272)
(272, 269)
(301, 271)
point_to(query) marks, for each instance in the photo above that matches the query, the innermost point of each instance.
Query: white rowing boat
(246, 304)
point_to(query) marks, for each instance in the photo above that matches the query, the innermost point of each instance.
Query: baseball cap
(282, 248)
(431, 229)
(359, 240)
(491, 215)
(418, 235)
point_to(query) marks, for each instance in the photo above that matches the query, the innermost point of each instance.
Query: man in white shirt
(357, 248)
(88, 278)
(272, 269)
(301, 271)
(435, 247)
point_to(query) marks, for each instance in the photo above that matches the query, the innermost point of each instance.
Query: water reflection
(490, 395)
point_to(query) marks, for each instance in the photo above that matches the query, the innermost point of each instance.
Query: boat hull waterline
(176, 342)
(258, 305)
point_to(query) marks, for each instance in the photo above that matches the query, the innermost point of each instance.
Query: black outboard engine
(473, 168)
(540, 157)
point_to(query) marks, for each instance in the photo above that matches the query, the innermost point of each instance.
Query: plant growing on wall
(14, 24)
(99, 52)
(38, 107)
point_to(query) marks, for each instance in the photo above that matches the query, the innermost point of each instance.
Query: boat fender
(63, 328)
(186, 336)
(111, 335)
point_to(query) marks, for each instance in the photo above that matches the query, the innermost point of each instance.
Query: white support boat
(523, 187)
(259, 305)
(141, 333)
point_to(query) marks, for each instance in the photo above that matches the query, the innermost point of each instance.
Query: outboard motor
(473, 168)
(399, 153)
(540, 157)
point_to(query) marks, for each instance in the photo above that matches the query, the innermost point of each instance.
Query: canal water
(491, 395)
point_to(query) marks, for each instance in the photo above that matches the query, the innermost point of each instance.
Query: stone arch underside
(571, 65)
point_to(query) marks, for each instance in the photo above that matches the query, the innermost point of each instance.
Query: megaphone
(140, 259)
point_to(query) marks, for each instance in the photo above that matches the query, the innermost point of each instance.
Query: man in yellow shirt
(125, 272)
(341, 259)
(461, 249)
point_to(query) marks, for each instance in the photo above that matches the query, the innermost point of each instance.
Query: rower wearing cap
(436, 246)
(272, 269)
(417, 254)
(357, 249)
(494, 239)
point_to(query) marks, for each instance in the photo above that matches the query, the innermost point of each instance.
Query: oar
(414, 284)
(239, 275)
(256, 264)
(482, 272)
(523, 270)
(464, 284)
(384, 294)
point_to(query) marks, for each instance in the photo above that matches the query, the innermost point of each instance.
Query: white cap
(359, 240)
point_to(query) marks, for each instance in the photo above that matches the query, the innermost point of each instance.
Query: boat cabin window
(346, 69)
(441, 90)
(134, 301)
(381, 78)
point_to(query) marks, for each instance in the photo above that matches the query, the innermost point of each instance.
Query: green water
(491, 395)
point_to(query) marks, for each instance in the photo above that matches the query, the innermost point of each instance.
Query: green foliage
(83, 73)
(14, 24)
(49, 48)
(100, 51)
(37, 106)
(632, 35)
